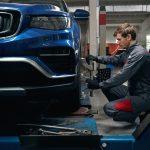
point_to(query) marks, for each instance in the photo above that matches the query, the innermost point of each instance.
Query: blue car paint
(32, 9)
(38, 36)
(33, 40)
(37, 39)
(10, 143)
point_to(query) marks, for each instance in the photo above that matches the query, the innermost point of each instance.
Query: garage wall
(109, 34)
(145, 30)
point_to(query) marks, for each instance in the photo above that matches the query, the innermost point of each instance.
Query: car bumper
(21, 76)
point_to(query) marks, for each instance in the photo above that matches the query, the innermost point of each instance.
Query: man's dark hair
(126, 29)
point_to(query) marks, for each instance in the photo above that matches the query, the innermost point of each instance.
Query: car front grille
(9, 22)
(22, 74)
(59, 60)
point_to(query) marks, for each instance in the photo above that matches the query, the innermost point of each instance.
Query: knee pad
(124, 105)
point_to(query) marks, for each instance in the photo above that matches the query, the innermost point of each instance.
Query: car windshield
(58, 3)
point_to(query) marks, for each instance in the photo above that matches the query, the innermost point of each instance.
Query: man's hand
(92, 84)
(91, 57)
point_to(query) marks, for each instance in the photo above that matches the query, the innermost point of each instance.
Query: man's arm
(115, 60)
(129, 69)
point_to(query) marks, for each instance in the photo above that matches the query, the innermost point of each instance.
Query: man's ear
(129, 37)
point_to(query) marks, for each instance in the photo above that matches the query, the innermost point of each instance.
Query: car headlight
(51, 23)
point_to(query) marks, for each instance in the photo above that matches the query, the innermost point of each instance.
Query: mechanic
(126, 102)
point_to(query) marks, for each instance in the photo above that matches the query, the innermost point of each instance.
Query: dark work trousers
(119, 106)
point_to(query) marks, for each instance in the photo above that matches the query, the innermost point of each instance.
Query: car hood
(32, 9)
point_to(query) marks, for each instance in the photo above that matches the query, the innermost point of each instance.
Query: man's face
(123, 42)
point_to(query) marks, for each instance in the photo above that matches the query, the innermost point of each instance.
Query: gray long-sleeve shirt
(136, 69)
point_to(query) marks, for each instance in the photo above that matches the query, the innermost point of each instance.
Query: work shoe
(82, 111)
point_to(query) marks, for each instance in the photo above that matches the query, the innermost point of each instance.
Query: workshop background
(113, 13)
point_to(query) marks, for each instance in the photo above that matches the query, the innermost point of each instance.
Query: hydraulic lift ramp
(139, 139)
(47, 133)
(60, 133)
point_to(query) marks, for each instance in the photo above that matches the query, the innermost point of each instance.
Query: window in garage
(148, 42)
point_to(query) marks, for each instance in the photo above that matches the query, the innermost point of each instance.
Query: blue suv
(39, 54)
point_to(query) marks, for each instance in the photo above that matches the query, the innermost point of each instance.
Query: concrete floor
(105, 124)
